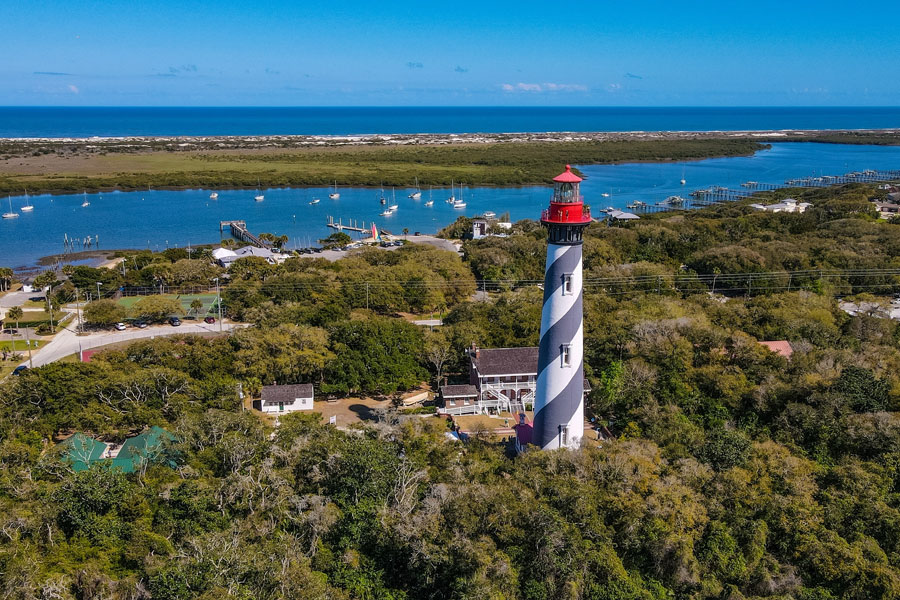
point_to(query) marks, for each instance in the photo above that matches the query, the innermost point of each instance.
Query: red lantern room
(567, 214)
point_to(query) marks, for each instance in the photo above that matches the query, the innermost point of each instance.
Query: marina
(157, 219)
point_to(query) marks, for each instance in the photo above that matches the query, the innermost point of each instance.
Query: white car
(120, 326)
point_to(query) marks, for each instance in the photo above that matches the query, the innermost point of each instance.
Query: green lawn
(20, 345)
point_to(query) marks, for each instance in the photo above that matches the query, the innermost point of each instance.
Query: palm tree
(6, 277)
(15, 313)
(196, 305)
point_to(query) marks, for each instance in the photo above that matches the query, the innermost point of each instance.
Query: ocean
(61, 122)
(159, 219)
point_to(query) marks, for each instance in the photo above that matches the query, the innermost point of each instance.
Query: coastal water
(158, 219)
(61, 122)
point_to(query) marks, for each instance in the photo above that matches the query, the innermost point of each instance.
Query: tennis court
(208, 300)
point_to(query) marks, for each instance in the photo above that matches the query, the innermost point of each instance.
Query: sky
(435, 53)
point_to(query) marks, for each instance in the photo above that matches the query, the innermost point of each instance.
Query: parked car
(11, 331)
(140, 324)
(174, 321)
(209, 320)
(120, 326)
(19, 370)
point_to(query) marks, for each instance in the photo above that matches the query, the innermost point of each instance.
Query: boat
(387, 213)
(429, 203)
(393, 207)
(259, 195)
(85, 203)
(430, 199)
(460, 203)
(314, 201)
(452, 198)
(683, 180)
(673, 200)
(214, 196)
(383, 199)
(490, 214)
(418, 193)
(605, 194)
(10, 214)
(334, 195)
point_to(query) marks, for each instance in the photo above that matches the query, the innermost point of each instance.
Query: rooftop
(458, 391)
(284, 393)
(507, 361)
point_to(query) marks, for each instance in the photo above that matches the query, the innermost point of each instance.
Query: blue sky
(601, 53)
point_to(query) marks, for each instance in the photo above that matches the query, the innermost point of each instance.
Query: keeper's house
(281, 399)
(501, 380)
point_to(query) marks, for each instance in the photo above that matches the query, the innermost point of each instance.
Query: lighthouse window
(566, 355)
(567, 284)
(563, 435)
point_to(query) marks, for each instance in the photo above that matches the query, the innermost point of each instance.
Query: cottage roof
(142, 447)
(286, 393)
(458, 391)
(507, 361)
(782, 347)
(79, 451)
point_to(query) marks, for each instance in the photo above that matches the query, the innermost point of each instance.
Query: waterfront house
(225, 260)
(886, 210)
(281, 399)
(501, 380)
(788, 205)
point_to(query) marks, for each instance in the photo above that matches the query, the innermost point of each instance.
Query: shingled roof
(507, 361)
(286, 393)
(458, 391)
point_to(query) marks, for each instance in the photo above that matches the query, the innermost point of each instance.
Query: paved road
(66, 342)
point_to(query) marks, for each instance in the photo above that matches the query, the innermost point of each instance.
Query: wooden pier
(240, 231)
(353, 226)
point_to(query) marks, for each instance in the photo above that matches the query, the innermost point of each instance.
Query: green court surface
(208, 300)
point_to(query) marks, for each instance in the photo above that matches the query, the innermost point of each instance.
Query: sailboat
(418, 193)
(334, 195)
(393, 206)
(314, 201)
(85, 203)
(214, 196)
(259, 195)
(460, 203)
(683, 180)
(430, 199)
(452, 198)
(27, 207)
(10, 214)
(383, 200)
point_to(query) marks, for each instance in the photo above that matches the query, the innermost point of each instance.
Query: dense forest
(734, 472)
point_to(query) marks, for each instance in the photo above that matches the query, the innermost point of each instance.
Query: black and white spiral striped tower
(559, 394)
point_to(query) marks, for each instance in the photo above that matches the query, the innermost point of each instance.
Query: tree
(437, 352)
(6, 278)
(196, 305)
(156, 308)
(15, 313)
(104, 312)
(335, 240)
(47, 279)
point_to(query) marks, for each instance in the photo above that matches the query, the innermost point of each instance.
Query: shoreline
(445, 138)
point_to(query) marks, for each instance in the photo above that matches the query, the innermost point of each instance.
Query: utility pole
(219, 304)
(367, 295)
(98, 290)
(28, 343)
(78, 312)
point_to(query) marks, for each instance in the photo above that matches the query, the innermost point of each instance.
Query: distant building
(886, 210)
(281, 399)
(500, 380)
(226, 259)
(788, 205)
(481, 228)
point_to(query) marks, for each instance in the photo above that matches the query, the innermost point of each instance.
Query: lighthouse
(559, 393)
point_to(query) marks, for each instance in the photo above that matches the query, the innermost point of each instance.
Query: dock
(721, 195)
(239, 230)
(353, 226)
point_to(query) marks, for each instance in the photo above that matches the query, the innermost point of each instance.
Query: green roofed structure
(81, 451)
(149, 446)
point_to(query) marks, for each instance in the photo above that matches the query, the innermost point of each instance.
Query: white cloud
(543, 87)
(73, 89)
(614, 87)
